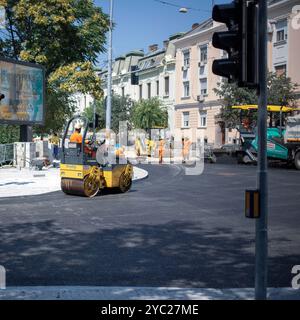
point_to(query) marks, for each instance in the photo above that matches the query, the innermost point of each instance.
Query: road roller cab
(81, 173)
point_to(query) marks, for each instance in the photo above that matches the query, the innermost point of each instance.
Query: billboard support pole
(25, 133)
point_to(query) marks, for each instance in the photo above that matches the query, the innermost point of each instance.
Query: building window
(203, 54)
(203, 86)
(157, 87)
(141, 91)
(203, 119)
(149, 90)
(280, 35)
(280, 70)
(186, 59)
(186, 89)
(123, 92)
(185, 119)
(202, 70)
(281, 30)
(185, 75)
(167, 86)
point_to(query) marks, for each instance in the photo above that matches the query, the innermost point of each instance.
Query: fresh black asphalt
(170, 230)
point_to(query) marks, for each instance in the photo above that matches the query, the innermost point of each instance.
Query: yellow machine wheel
(91, 186)
(125, 182)
(87, 187)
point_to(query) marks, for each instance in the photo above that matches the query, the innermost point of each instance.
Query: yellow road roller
(82, 170)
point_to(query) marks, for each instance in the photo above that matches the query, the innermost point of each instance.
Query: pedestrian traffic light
(134, 76)
(240, 42)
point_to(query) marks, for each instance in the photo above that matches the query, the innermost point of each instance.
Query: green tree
(54, 33)
(9, 134)
(65, 36)
(148, 114)
(60, 107)
(281, 91)
(120, 111)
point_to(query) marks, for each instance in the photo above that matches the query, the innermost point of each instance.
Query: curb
(145, 174)
(19, 184)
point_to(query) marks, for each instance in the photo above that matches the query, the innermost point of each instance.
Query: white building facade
(156, 73)
(82, 101)
(121, 75)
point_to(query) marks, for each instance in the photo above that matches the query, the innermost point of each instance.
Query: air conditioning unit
(200, 98)
(185, 68)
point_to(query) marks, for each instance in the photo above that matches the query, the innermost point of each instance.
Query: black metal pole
(262, 223)
(25, 133)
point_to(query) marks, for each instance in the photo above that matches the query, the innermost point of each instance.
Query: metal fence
(6, 154)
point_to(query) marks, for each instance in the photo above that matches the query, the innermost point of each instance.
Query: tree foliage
(148, 114)
(77, 77)
(120, 111)
(59, 108)
(9, 134)
(281, 91)
(65, 36)
(54, 33)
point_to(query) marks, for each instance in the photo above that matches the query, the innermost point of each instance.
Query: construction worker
(119, 150)
(186, 149)
(150, 146)
(76, 137)
(138, 146)
(161, 149)
(54, 140)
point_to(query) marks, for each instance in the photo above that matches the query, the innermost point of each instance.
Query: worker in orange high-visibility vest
(76, 137)
(161, 150)
(186, 149)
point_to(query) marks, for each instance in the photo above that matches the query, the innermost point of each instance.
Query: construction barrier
(6, 154)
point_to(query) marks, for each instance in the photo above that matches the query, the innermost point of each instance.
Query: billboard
(23, 87)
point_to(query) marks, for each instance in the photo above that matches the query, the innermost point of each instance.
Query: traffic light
(2, 96)
(134, 76)
(240, 42)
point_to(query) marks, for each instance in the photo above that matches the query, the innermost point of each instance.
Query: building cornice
(212, 103)
(205, 32)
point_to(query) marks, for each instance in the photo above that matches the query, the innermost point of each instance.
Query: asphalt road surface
(170, 230)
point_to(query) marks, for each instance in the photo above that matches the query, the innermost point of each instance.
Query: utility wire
(179, 6)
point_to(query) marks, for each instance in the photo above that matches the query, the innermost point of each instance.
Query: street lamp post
(262, 222)
(109, 75)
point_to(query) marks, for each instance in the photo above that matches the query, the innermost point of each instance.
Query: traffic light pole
(261, 253)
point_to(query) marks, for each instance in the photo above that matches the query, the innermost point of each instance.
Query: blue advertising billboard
(23, 87)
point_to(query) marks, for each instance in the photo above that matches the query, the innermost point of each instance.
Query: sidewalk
(133, 293)
(25, 182)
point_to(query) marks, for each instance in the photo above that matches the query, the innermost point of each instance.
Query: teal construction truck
(283, 136)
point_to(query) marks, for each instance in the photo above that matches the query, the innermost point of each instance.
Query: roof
(202, 26)
(152, 60)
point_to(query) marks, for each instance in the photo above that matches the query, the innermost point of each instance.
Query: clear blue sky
(140, 23)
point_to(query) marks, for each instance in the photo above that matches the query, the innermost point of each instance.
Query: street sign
(22, 86)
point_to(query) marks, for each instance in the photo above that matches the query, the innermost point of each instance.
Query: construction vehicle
(283, 136)
(85, 167)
